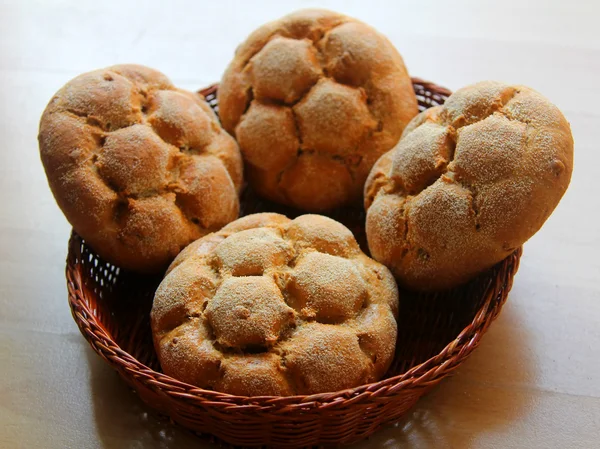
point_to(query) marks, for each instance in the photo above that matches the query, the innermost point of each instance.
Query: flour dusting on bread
(285, 307)
(139, 167)
(469, 182)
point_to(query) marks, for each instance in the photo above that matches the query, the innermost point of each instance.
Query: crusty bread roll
(468, 183)
(271, 306)
(314, 99)
(139, 167)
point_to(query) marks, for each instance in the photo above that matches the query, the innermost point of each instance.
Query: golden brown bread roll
(139, 167)
(468, 183)
(314, 99)
(272, 306)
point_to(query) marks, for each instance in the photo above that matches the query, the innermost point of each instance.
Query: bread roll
(469, 182)
(139, 168)
(272, 306)
(314, 99)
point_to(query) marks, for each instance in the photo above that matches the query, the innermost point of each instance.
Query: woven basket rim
(429, 85)
(421, 375)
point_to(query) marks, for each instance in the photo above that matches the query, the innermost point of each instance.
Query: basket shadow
(482, 395)
(124, 421)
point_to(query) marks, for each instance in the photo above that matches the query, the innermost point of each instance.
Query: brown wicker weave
(436, 333)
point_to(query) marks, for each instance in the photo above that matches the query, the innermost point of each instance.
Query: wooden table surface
(535, 380)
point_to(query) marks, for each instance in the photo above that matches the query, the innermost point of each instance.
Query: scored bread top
(468, 183)
(314, 99)
(272, 306)
(139, 167)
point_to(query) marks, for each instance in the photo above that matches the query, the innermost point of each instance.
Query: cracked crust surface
(468, 183)
(314, 99)
(273, 306)
(139, 168)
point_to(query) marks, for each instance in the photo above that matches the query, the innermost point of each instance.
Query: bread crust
(272, 306)
(139, 167)
(314, 99)
(468, 183)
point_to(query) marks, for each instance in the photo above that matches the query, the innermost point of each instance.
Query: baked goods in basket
(314, 99)
(272, 306)
(139, 167)
(469, 182)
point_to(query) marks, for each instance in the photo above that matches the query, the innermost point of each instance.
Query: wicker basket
(436, 333)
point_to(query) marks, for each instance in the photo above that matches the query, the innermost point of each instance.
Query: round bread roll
(468, 183)
(314, 99)
(139, 168)
(271, 306)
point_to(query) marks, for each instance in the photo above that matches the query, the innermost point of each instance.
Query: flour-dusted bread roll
(139, 167)
(314, 99)
(272, 306)
(469, 183)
